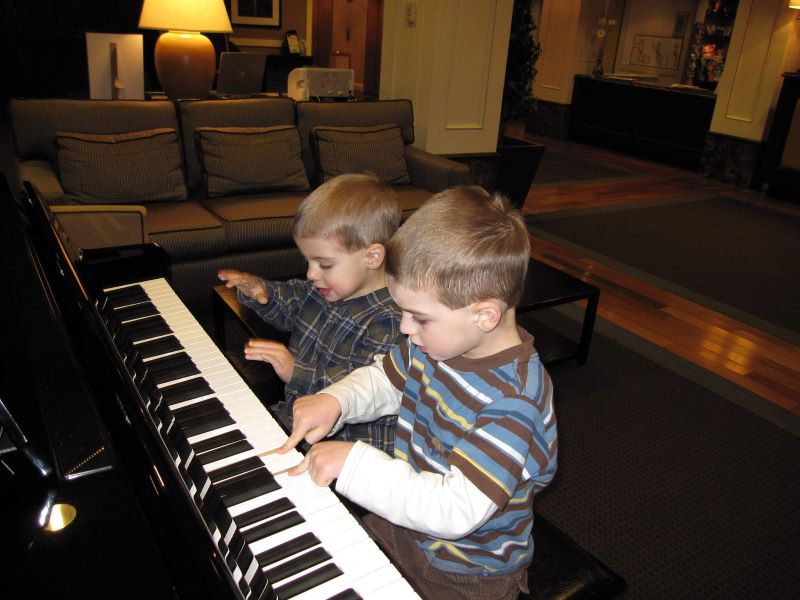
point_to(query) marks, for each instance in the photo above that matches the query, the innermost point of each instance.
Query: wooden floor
(761, 363)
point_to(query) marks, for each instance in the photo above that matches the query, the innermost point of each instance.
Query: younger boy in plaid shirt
(342, 314)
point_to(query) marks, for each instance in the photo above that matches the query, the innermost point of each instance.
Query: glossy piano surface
(104, 551)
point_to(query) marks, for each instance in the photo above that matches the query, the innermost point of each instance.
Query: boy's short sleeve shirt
(491, 418)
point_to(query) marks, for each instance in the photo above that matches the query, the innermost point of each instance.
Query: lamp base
(185, 64)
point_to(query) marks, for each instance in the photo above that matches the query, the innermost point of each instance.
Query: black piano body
(134, 534)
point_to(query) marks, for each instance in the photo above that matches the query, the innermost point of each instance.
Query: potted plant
(518, 158)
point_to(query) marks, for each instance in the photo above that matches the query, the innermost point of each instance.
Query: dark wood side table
(547, 286)
(223, 305)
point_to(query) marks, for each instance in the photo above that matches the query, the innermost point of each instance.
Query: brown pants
(432, 583)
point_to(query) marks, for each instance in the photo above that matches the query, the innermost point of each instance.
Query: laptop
(240, 73)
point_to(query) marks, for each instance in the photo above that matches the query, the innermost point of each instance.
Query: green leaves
(523, 52)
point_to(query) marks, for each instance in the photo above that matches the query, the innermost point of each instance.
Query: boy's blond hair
(462, 246)
(355, 210)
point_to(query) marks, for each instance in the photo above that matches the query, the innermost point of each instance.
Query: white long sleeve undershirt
(447, 506)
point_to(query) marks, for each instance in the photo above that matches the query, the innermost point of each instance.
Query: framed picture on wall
(263, 13)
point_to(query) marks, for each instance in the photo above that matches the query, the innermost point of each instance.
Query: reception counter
(668, 124)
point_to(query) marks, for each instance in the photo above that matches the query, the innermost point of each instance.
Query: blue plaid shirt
(328, 340)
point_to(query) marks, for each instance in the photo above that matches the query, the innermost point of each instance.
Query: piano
(117, 411)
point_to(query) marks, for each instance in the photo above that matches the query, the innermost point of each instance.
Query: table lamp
(185, 58)
(794, 3)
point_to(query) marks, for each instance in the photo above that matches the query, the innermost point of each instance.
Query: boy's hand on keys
(271, 352)
(323, 462)
(313, 417)
(250, 285)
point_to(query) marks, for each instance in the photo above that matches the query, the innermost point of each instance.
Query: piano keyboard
(281, 537)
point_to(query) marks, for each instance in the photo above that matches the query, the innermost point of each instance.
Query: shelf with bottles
(710, 40)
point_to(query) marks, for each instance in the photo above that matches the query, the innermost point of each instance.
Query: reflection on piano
(170, 461)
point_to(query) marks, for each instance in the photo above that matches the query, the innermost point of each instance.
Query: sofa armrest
(103, 226)
(435, 173)
(44, 178)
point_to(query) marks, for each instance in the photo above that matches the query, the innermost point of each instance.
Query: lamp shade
(794, 3)
(185, 15)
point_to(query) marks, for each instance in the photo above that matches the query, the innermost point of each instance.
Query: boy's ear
(488, 314)
(376, 253)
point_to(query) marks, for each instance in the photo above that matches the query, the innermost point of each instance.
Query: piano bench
(563, 570)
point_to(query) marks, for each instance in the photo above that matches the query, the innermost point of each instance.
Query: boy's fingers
(301, 467)
(295, 438)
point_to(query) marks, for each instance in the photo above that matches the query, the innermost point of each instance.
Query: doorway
(348, 34)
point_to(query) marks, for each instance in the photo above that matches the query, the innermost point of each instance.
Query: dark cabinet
(665, 124)
(779, 159)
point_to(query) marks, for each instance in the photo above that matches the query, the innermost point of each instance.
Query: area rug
(557, 168)
(667, 475)
(733, 257)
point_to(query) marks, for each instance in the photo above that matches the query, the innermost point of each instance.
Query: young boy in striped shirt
(341, 315)
(476, 432)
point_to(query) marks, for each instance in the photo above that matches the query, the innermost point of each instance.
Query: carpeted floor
(557, 168)
(733, 257)
(665, 477)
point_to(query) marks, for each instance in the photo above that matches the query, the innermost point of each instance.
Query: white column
(558, 35)
(449, 58)
(763, 45)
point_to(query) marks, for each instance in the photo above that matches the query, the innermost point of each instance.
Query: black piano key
(136, 311)
(273, 526)
(124, 296)
(260, 588)
(261, 513)
(218, 441)
(197, 426)
(186, 390)
(146, 328)
(234, 548)
(348, 594)
(308, 581)
(290, 548)
(158, 346)
(203, 408)
(224, 452)
(247, 486)
(296, 565)
(238, 468)
(172, 367)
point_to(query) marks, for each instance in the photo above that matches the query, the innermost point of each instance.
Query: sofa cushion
(378, 149)
(351, 114)
(126, 168)
(238, 160)
(186, 230)
(245, 112)
(257, 220)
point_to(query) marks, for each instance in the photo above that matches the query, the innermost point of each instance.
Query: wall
(762, 47)
(648, 42)
(449, 59)
(295, 14)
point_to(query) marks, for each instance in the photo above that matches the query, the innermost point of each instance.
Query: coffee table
(545, 286)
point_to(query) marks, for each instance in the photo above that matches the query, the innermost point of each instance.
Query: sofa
(215, 183)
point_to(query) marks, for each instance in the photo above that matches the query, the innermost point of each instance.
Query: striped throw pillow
(238, 160)
(120, 168)
(379, 149)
